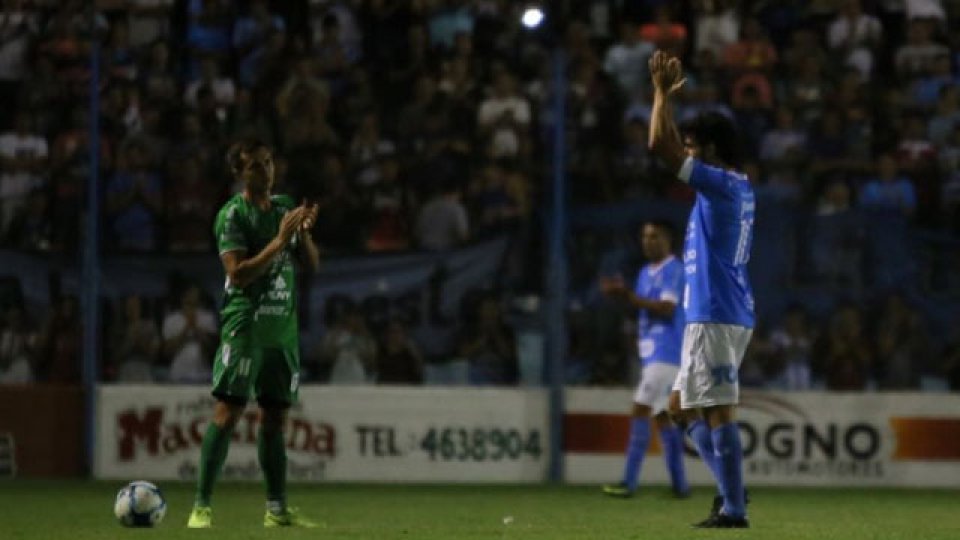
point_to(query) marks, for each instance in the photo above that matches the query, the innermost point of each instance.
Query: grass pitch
(82, 510)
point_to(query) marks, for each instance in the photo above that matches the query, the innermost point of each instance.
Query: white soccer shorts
(709, 361)
(656, 382)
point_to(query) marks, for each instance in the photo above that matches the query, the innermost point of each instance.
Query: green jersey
(265, 310)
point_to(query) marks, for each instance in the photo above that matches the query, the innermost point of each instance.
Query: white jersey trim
(686, 170)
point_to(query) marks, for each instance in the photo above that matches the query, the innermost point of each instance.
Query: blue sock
(636, 449)
(726, 445)
(699, 433)
(672, 441)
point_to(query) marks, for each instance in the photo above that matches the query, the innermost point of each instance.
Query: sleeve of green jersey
(284, 201)
(229, 231)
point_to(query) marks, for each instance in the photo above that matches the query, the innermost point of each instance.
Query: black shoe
(718, 504)
(723, 521)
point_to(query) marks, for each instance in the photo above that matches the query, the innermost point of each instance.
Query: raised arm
(242, 270)
(664, 140)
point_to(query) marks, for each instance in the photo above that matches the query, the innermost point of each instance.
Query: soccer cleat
(290, 517)
(718, 505)
(723, 521)
(200, 518)
(619, 490)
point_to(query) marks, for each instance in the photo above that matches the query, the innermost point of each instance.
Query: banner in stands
(811, 439)
(377, 434)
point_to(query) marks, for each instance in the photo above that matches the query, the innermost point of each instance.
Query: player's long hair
(714, 128)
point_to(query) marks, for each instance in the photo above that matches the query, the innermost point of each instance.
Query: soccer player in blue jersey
(718, 301)
(656, 295)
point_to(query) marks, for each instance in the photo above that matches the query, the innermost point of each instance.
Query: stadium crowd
(424, 124)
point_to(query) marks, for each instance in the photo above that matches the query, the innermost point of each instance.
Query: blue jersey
(659, 339)
(717, 246)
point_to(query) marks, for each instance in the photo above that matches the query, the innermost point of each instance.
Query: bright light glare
(532, 17)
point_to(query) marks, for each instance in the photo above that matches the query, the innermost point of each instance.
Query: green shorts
(242, 371)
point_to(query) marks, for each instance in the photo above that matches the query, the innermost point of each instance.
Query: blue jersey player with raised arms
(718, 301)
(657, 295)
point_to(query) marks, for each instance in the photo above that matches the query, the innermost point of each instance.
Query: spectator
(349, 350)
(149, 21)
(208, 30)
(946, 117)
(442, 222)
(32, 226)
(23, 159)
(806, 90)
(155, 76)
(253, 29)
(222, 88)
(134, 201)
(191, 205)
(926, 89)
(60, 342)
(917, 55)
(793, 343)
(493, 204)
(626, 60)
(399, 360)
(750, 60)
(785, 143)
(134, 343)
(341, 224)
(717, 26)
(365, 149)
(489, 346)
(390, 203)
(950, 187)
(504, 117)
(889, 191)
(189, 338)
(846, 356)
(856, 36)
(665, 32)
(18, 28)
(836, 239)
(901, 346)
(18, 347)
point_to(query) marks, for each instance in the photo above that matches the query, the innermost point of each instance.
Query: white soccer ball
(140, 504)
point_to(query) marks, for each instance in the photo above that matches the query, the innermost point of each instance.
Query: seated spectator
(950, 182)
(342, 220)
(442, 222)
(926, 89)
(785, 143)
(149, 21)
(366, 147)
(901, 345)
(806, 90)
(208, 30)
(390, 203)
(489, 346)
(134, 201)
(119, 55)
(32, 226)
(845, 355)
(222, 88)
(856, 36)
(889, 191)
(916, 56)
(23, 161)
(134, 344)
(191, 206)
(189, 339)
(665, 32)
(750, 61)
(349, 350)
(946, 117)
(717, 26)
(19, 345)
(59, 346)
(793, 343)
(626, 60)
(836, 238)
(492, 202)
(399, 360)
(156, 77)
(504, 117)
(253, 29)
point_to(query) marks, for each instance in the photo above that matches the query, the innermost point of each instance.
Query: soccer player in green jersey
(259, 235)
